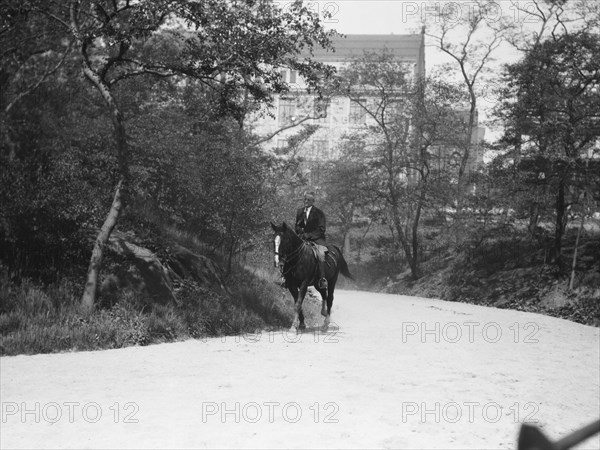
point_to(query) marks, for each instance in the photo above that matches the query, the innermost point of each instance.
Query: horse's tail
(343, 264)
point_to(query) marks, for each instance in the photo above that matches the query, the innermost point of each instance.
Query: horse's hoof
(325, 326)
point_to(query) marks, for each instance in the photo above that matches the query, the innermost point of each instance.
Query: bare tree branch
(287, 127)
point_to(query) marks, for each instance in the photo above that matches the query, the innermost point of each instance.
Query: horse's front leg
(294, 291)
(298, 324)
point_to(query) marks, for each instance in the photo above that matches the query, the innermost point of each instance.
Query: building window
(287, 110)
(293, 74)
(315, 175)
(358, 115)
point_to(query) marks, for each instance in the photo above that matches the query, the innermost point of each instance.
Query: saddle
(320, 251)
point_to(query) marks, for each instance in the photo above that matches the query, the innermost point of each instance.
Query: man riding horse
(300, 255)
(311, 226)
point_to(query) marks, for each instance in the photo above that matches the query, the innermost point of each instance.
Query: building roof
(404, 46)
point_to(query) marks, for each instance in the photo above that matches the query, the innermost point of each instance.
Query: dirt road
(399, 372)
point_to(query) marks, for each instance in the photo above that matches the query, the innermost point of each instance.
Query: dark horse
(300, 270)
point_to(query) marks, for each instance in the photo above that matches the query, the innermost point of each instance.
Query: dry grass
(37, 319)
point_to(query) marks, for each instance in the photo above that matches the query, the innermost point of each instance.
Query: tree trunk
(88, 298)
(462, 170)
(361, 241)
(560, 224)
(416, 273)
(405, 244)
(468, 142)
(89, 293)
(575, 250)
(346, 242)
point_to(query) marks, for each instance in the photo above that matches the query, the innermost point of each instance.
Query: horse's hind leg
(329, 304)
(323, 293)
(301, 324)
(300, 314)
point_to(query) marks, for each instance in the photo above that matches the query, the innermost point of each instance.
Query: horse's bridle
(286, 258)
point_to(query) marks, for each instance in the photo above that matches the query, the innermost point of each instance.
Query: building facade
(339, 116)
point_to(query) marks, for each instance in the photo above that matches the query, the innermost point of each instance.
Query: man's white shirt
(307, 211)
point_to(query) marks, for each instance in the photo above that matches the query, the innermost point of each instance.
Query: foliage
(382, 91)
(199, 175)
(402, 158)
(344, 181)
(157, 126)
(552, 125)
(54, 181)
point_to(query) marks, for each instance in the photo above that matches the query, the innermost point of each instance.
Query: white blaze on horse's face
(277, 242)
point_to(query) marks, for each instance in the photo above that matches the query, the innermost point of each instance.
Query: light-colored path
(379, 381)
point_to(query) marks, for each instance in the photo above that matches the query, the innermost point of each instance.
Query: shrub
(36, 318)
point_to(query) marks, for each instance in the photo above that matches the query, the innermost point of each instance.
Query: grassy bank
(504, 270)
(46, 319)
(135, 306)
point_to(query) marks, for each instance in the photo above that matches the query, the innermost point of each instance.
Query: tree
(404, 119)
(194, 168)
(50, 188)
(470, 40)
(345, 198)
(231, 47)
(551, 112)
(551, 18)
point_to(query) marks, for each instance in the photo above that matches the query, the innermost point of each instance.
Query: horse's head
(285, 241)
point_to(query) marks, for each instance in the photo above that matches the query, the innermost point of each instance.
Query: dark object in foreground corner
(531, 438)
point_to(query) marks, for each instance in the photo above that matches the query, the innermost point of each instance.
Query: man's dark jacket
(313, 227)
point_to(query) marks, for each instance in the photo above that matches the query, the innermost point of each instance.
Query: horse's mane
(289, 229)
(291, 233)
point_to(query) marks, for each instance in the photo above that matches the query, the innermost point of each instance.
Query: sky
(408, 16)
